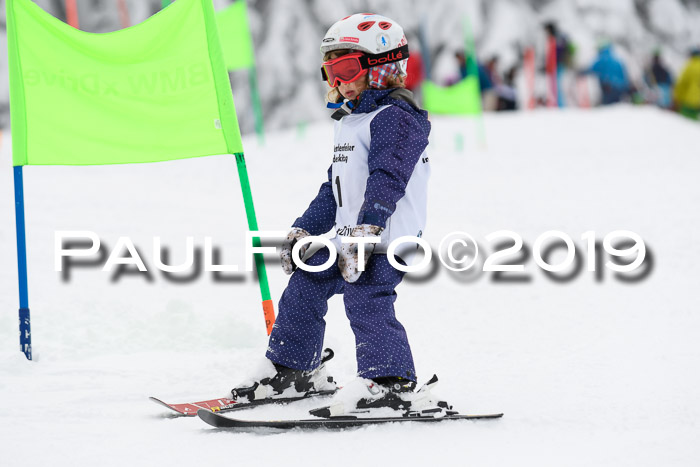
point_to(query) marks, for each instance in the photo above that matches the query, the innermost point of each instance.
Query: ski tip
(182, 410)
(175, 412)
(209, 417)
(159, 402)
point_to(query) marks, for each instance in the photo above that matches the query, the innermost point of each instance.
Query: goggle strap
(390, 56)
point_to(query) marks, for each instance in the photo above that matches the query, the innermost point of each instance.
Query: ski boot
(283, 383)
(385, 397)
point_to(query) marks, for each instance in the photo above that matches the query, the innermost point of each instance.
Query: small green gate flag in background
(235, 36)
(154, 92)
(463, 98)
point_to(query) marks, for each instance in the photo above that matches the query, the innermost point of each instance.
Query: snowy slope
(587, 373)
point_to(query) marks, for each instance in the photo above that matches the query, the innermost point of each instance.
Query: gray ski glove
(348, 256)
(293, 236)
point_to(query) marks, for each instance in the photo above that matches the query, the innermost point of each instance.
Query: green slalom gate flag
(463, 98)
(235, 36)
(154, 92)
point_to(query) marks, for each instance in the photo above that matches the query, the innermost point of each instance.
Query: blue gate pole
(25, 329)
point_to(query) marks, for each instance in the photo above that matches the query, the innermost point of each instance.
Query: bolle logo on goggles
(390, 57)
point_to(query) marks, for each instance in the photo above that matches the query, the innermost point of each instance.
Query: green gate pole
(268, 306)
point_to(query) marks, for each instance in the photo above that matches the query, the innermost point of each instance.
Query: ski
(189, 409)
(224, 404)
(333, 423)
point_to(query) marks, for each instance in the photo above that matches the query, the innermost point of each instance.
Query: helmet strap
(341, 108)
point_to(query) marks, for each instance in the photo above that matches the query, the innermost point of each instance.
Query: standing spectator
(489, 73)
(686, 94)
(612, 75)
(659, 79)
(486, 78)
(485, 82)
(558, 58)
(506, 92)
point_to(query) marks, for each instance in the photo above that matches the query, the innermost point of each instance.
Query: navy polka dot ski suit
(382, 347)
(381, 344)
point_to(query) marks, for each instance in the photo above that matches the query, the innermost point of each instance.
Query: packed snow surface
(590, 371)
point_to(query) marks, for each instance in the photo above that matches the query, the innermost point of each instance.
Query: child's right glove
(293, 236)
(348, 256)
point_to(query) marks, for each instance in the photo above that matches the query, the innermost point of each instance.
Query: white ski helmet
(381, 38)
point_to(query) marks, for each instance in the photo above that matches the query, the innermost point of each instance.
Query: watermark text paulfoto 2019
(620, 251)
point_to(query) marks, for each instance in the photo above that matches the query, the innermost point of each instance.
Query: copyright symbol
(460, 249)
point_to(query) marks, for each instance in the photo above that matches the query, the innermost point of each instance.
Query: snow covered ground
(588, 372)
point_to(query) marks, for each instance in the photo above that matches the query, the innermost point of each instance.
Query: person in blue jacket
(612, 75)
(375, 191)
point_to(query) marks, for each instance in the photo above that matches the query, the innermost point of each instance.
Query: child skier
(376, 188)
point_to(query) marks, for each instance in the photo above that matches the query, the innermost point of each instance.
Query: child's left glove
(348, 257)
(293, 236)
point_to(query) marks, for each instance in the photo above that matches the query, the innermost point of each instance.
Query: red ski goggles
(348, 68)
(344, 69)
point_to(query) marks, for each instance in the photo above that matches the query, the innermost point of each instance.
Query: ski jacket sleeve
(319, 217)
(397, 142)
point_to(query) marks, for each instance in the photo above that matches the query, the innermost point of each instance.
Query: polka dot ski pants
(381, 343)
